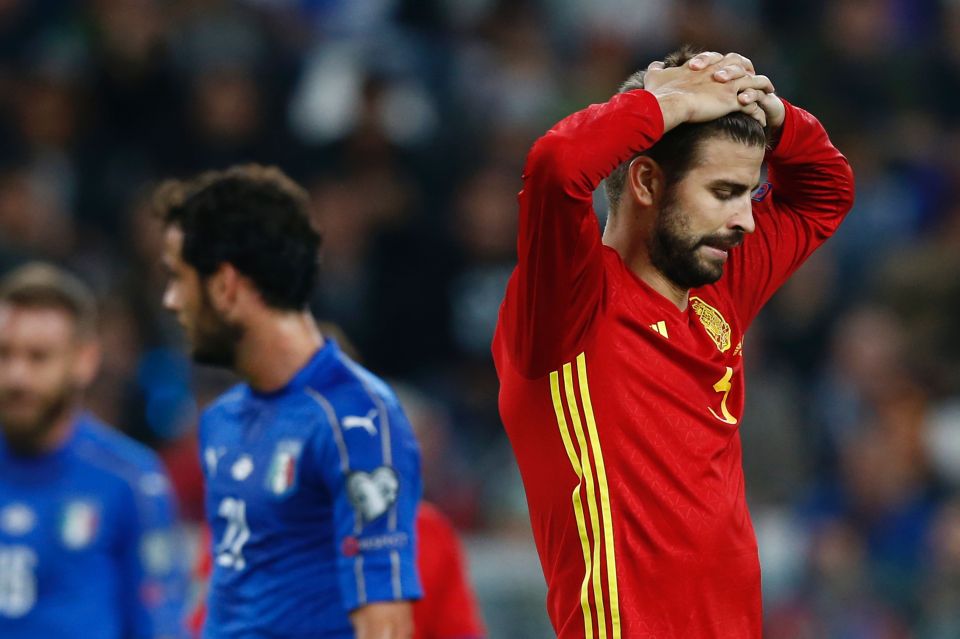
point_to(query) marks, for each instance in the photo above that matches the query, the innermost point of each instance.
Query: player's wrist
(674, 106)
(776, 117)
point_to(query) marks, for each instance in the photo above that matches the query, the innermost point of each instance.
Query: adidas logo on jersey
(660, 328)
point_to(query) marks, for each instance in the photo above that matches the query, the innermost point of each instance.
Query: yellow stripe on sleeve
(577, 504)
(604, 495)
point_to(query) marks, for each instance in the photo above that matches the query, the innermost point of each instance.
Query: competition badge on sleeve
(372, 494)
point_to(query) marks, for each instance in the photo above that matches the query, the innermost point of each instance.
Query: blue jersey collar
(45, 461)
(320, 361)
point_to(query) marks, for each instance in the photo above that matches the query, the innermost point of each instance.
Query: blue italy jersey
(87, 542)
(311, 497)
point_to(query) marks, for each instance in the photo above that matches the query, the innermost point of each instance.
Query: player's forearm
(674, 108)
(383, 620)
(565, 166)
(584, 148)
(809, 175)
(556, 289)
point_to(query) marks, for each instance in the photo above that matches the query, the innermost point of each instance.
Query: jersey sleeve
(809, 192)
(370, 465)
(154, 576)
(556, 289)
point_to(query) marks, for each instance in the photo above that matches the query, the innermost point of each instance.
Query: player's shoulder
(98, 438)
(350, 388)
(227, 404)
(106, 451)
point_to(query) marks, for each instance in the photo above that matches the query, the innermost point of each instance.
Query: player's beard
(674, 250)
(215, 339)
(26, 433)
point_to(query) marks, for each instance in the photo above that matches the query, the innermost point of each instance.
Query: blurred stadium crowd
(409, 121)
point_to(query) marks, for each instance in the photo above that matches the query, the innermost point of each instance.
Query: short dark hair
(676, 151)
(253, 217)
(44, 286)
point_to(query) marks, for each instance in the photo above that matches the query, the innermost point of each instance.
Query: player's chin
(20, 421)
(204, 356)
(710, 268)
(209, 355)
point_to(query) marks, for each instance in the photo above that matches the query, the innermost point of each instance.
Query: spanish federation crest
(81, 519)
(717, 328)
(282, 474)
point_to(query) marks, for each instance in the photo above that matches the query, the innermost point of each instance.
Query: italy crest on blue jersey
(311, 496)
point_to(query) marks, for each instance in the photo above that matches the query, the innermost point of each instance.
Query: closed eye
(725, 190)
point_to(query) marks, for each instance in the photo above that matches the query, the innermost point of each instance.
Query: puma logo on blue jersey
(366, 423)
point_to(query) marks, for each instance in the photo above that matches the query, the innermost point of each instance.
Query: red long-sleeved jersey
(623, 410)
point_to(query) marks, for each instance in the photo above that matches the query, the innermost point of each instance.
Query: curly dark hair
(676, 151)
(253, 217)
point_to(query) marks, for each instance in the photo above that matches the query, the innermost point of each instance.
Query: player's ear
(645, 181)
(87, 363)
(223, 288)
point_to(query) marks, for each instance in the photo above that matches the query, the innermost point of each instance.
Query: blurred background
(409, 121)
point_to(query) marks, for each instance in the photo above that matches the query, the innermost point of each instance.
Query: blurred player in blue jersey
(87, 538)
(312, 472)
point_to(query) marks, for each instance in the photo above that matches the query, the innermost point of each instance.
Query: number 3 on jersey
(724, 386)
(229, 551)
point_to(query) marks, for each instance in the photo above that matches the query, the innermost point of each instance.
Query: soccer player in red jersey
(620, 356)
(448, 609)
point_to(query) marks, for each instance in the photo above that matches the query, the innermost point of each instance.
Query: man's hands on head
(384, 620)
(752, 99)
(711, 85)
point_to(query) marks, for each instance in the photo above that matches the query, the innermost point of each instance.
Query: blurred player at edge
(620, 357)
(311, 451)
(448, 609)
(87, 538)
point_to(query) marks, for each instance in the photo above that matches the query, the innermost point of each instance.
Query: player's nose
(743, 217)
(170, 299)
(16, 371)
